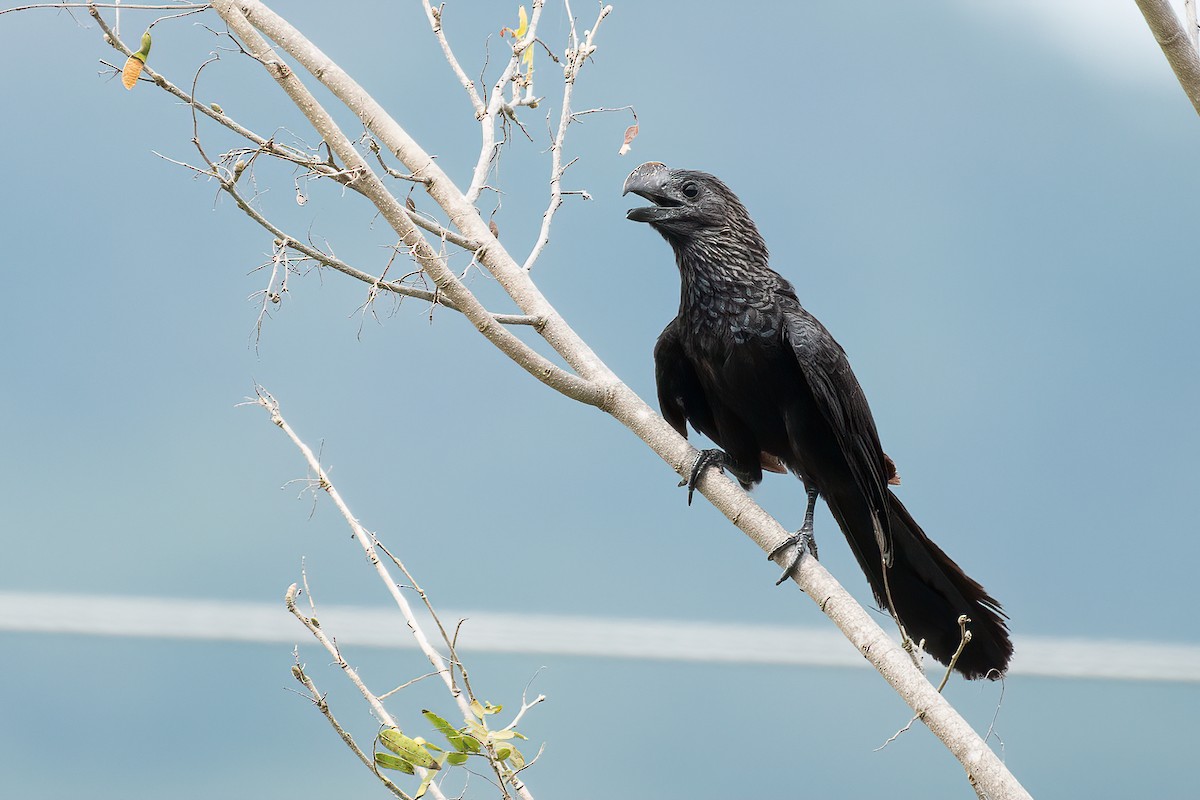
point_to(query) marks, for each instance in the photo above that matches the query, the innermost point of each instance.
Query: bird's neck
(722, 279)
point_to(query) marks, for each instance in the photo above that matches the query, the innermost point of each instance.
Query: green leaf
(516, 759)
(424, 786)
(409, 749)
(444, 727)
(498, 736)
(392, 762)
(488, 708)
(453, 735)
(477, 709)
(456, 759)
(503, 751)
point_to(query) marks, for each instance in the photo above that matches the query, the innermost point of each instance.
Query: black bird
(760, 376)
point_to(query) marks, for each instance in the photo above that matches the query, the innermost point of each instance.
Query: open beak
(650, 181)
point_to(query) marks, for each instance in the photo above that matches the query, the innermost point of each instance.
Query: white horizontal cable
(169, 618)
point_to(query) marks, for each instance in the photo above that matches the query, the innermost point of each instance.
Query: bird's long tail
(927, 590)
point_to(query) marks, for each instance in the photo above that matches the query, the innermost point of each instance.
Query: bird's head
(690, 207)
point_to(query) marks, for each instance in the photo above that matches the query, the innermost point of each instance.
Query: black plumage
(748, 367)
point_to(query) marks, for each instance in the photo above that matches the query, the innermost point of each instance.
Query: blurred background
(991, 206)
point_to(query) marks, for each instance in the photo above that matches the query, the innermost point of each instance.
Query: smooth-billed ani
(748, 367)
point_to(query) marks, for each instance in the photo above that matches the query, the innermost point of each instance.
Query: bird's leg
(802, 539)
(710, 457)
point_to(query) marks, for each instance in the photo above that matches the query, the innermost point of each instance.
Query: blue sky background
(997, 223)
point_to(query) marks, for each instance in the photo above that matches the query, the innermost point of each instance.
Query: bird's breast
(732, 321)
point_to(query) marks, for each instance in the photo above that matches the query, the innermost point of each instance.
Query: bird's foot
(803, 540)
(710, 457)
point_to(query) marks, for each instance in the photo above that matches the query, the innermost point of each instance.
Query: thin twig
(576, 56)
(136, 7)
(319, 701)
(372, 187)
(229, 186)
(964, 639)
(319, 634)
(1193, 28)
(407, 684)
(434, 15)
(496, 105)
(331, 647)
(455, 662)
(369, 544)
(271, 147)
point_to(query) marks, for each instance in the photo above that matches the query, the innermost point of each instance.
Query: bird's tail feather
(927, 590)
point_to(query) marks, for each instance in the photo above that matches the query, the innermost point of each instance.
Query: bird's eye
(690, 190)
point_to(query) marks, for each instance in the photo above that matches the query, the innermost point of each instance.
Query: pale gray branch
(271, 147)
(434, 15)
(1176, 44)
(243, 17)
(496, 105)
(323, 706)
(331, 261)
(369, 544)
(576, 56)
(134, 6)
(1193, 27)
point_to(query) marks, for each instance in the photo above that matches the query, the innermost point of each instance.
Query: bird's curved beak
(650, 181)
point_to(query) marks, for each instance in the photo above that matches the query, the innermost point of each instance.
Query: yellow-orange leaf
(133, 69)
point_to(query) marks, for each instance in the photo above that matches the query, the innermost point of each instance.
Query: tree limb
(370, 545)
(434, 15)
(243, 17)
(576, 56)
(1176, 44)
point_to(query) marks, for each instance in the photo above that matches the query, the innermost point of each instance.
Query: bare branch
(314, 628)
(238, 15)
(1176, 44)
(576, 56)
(1193, 27)
(456, 663)
(407, 684)
(269, 146)
(964, 638)
(434, 15)
(370, 545)
(136, 7)
(319, 701)
(329, 260)
(322, 168)
(284, 240)
(496, 105)
(273, 148)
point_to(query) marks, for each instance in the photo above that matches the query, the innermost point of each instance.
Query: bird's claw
(804, 541)
(707, 458)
